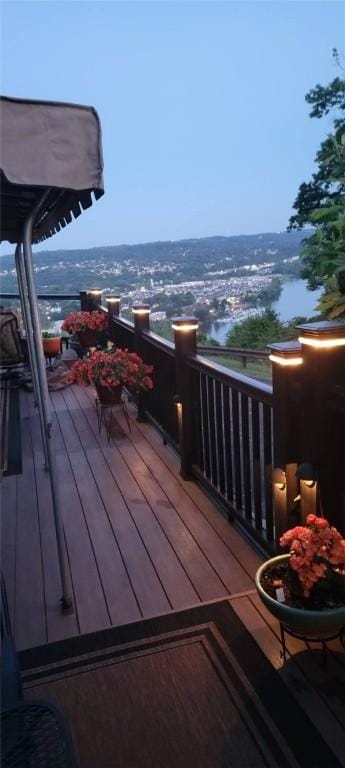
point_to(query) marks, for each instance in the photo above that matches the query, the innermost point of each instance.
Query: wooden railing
(233, 450)
(121, 332)
(237, 353)
(241, 438)
(163, 410)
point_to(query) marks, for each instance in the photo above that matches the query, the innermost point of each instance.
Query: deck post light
(141, 317)
(287, 367)
(113, 305)
(323, 419)
(94, 298)
(185, 337)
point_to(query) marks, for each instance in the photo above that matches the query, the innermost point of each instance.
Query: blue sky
(205, 127)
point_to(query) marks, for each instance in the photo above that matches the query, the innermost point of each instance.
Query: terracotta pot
(87, 338)
(301, 621)
(109, 395)
(52, 346)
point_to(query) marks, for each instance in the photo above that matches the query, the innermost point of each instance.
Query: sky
(205, 126)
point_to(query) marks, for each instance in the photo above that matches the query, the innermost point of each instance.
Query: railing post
(113, 306)
(141, 316)
(185, 337)
(90, 300)
(323, 417)
(286, 361)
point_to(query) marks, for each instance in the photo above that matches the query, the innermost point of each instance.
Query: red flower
(111, 369)
(315, 549)
(77, 322)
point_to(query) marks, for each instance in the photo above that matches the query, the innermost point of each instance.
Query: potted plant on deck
(110, 371)
(305, 589)
(86, 325)
(51, 342)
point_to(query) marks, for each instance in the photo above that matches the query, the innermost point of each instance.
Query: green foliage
(50, 335)
(259, 331)
(207, 341)
(266, 296)
(321, 203)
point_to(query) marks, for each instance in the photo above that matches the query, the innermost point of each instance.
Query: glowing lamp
(185, 324)
(323, 335)
(286, 353)
(141, 309)
(286, 361)
(279, 478)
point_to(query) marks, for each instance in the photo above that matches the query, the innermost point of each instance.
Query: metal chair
(34, 733)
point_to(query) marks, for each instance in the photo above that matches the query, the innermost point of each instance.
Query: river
(295, 299)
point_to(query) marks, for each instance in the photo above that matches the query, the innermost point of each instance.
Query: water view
(295, 299)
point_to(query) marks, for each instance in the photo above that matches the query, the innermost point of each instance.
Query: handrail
(158, 341)
(260, 354)
(251, 387)
(122, 321)
(45, 296)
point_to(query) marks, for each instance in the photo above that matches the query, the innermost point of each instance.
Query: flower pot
(301, 621)
(87, 338)
(109, 395)
(52, 346)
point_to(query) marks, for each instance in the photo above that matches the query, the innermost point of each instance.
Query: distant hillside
(121, 266)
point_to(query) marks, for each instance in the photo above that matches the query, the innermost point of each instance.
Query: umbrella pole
(44, 402)
(23, 293)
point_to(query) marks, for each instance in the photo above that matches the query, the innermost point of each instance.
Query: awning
(50, 164)
(47, 145)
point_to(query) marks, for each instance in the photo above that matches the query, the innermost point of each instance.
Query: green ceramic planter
(303, 622)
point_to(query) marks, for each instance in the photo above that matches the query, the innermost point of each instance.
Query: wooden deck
(140, 541)
(318, 690)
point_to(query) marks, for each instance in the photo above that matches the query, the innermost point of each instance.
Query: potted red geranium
(305, 589)
(86, 325)
(110, 371)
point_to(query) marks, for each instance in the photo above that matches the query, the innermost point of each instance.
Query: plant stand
(323, 640)
(105, 415)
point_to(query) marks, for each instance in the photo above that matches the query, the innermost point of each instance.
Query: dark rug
(10, 436)
(186, 690)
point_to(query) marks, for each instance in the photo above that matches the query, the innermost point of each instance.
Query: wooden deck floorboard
(319, 692)
(140, 541)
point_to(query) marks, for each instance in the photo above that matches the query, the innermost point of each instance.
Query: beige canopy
(50, 163)
(47, 145)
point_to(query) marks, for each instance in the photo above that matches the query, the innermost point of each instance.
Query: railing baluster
(227, 443)
(212, 431)
(268, 460)
(219, 435)
(246, 458)
(204, 411)
(236, 448)
(257, 464)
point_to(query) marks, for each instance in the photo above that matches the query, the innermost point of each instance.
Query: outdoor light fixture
(306, 472)
(112, 299)
(322, 343)
(286, 353)
(185, 327)
(142, 309)
(279, 478)
(95, 291)
(323, 335)
(286, 360)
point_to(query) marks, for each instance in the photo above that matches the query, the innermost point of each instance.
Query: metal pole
(29, 338)
(44, 403)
